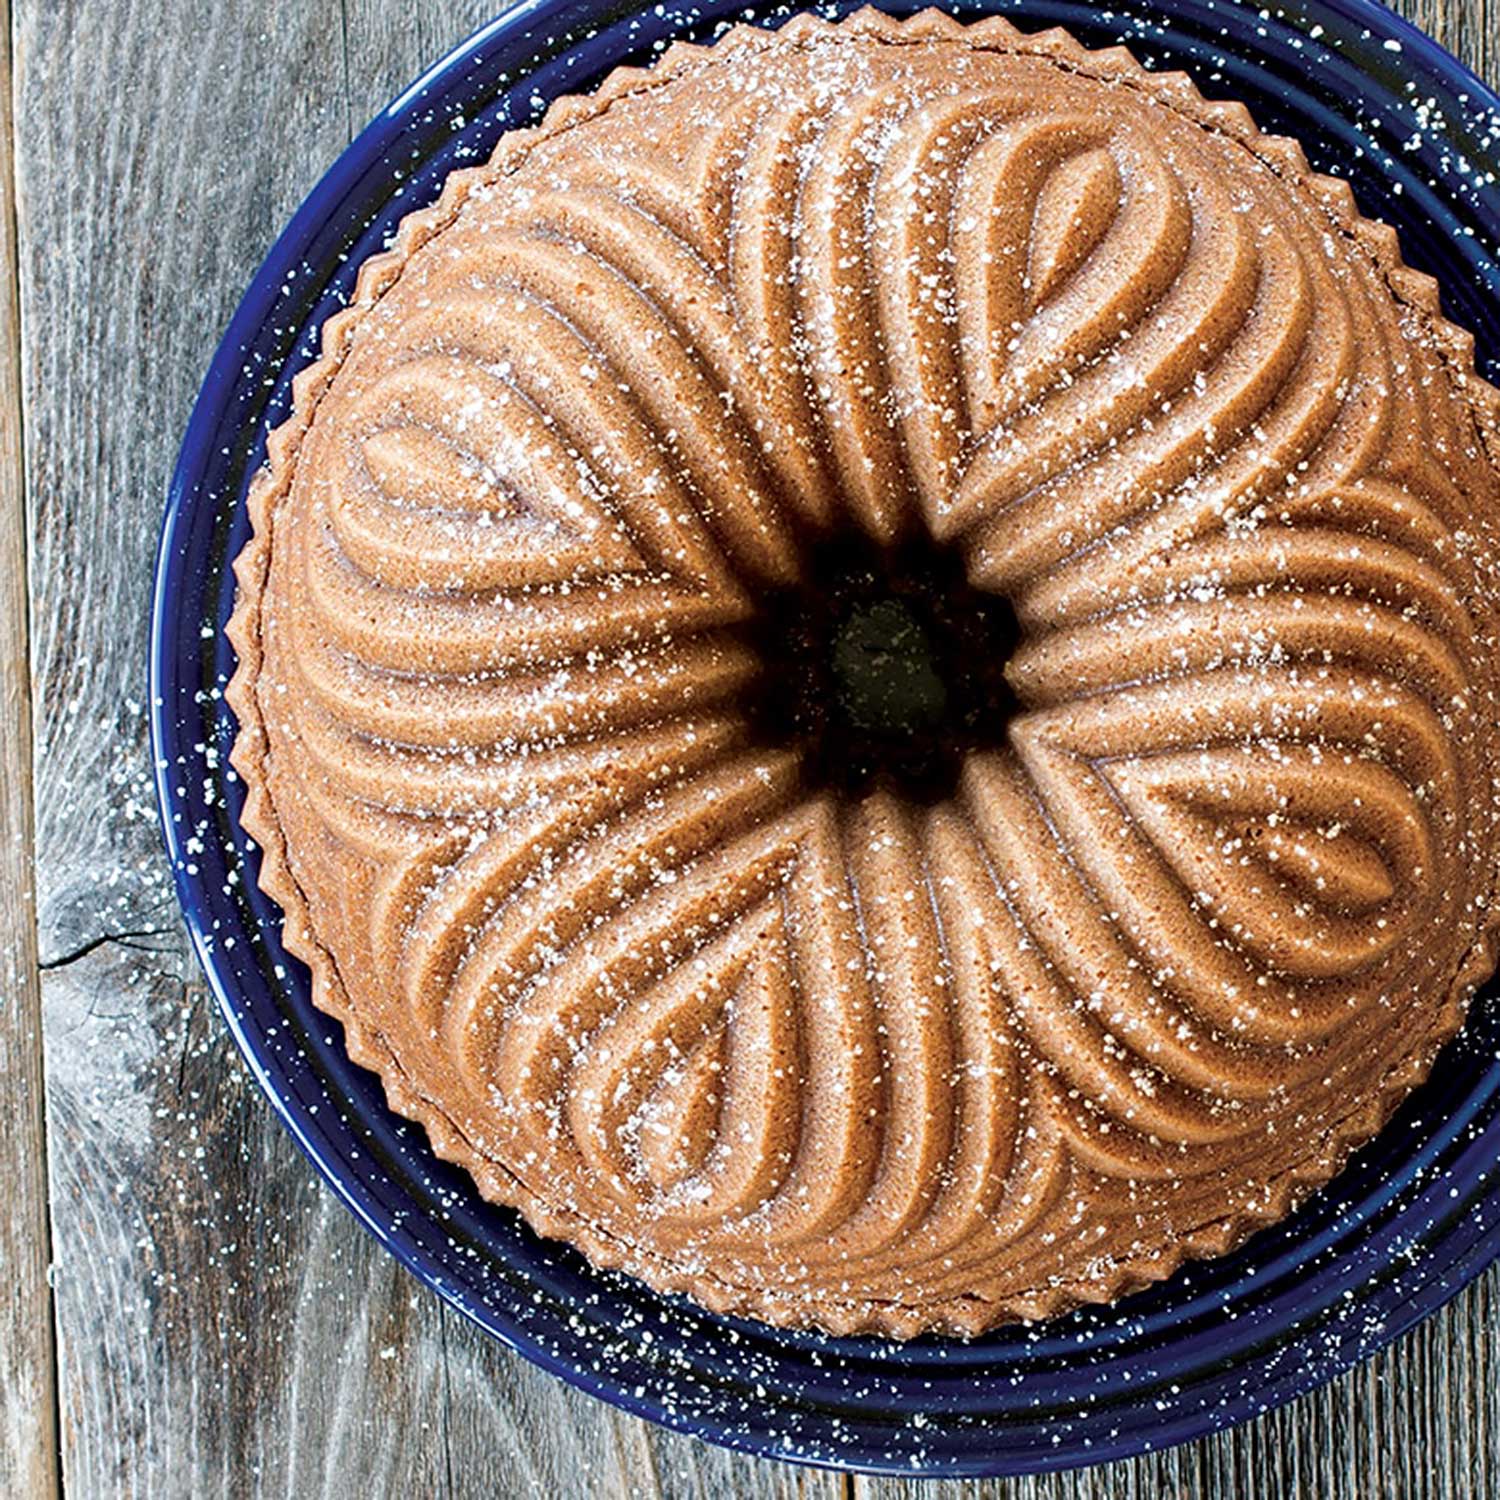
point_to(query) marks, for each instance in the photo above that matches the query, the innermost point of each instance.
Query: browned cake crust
(1171, 947)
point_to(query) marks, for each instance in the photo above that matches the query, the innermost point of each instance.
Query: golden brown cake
(868, 674)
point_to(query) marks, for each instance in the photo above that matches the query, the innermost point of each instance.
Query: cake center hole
(885, 668)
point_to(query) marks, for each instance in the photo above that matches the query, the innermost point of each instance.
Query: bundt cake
(868, 673)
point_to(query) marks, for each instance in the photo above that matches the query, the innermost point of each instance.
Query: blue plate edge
(257, 303)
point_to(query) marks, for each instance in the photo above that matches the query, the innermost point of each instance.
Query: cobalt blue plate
(1415, 1216)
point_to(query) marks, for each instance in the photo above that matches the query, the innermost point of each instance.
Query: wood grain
(28, 1464)
(1469, 29)
(224, 1328)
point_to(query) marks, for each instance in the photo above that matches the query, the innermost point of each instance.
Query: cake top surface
(867, 673)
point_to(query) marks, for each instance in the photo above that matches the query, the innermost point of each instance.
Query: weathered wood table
(184, 1310)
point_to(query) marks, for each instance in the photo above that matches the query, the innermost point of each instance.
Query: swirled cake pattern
(1171, 946)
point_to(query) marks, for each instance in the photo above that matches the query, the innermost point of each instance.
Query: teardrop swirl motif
(1166, 955)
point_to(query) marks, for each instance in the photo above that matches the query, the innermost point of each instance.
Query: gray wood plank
(221, 1321)
(28, 1445)
(224, 1326)
(1469, 29)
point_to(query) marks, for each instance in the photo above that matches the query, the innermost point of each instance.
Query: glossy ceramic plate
(1413, 1218)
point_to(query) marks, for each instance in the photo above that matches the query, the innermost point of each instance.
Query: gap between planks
(386, 37)
(29, 1455)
